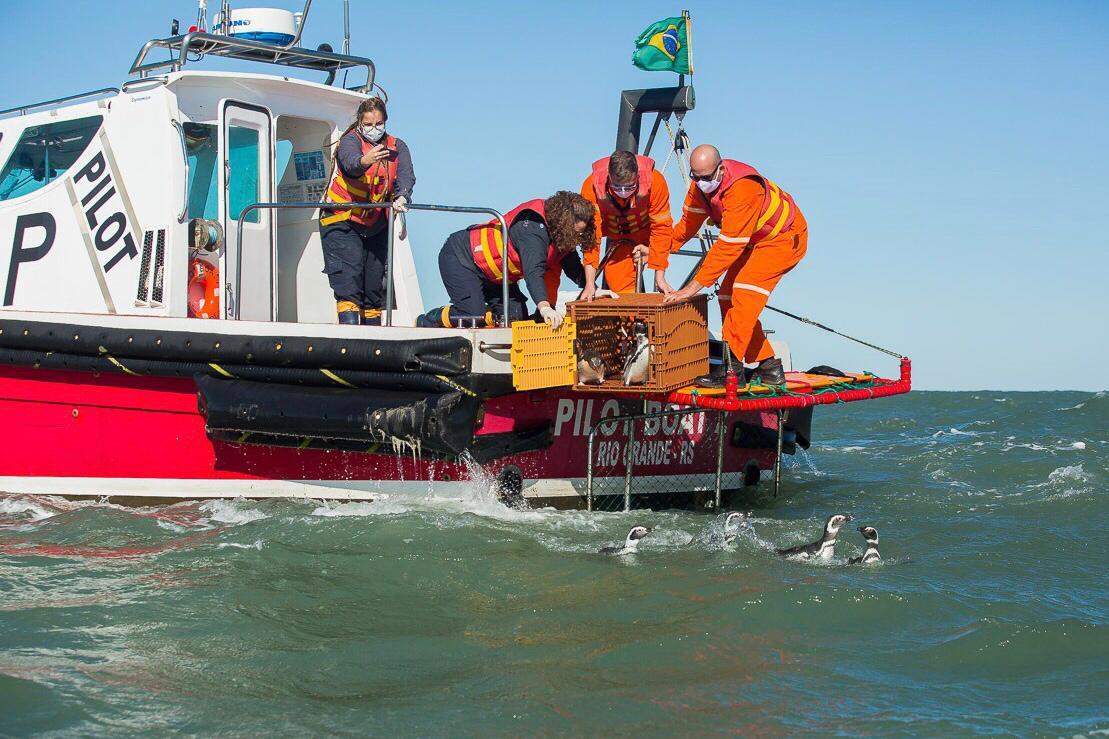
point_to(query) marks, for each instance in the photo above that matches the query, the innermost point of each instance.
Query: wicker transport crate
(678, 332)
(543, 357)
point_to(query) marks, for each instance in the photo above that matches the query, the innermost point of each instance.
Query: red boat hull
(82, 433)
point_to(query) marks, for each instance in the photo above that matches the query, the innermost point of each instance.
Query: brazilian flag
(664, 47)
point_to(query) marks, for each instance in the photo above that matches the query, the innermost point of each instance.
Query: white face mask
(708, 186)
(373, 134)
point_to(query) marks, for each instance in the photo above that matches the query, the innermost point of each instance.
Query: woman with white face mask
(375, 167)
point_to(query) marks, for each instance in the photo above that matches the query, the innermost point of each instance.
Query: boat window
(200, 141)
(283, 156)
(243, 182)
(44, 153)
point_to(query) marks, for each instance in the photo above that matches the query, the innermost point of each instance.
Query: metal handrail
(630, 420)
(188, 179)
(22, 109)
(129, 85)
(388, 207)
(210, 43)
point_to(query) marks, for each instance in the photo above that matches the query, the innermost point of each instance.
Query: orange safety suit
(762, 237)
(643, 219)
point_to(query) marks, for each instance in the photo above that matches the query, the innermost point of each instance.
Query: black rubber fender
(443, 355)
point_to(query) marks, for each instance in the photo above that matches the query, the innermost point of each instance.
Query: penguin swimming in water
(822, 548)
(631, 544)
(591, 368)
(638, 361)
(871, 555)
(734, 523)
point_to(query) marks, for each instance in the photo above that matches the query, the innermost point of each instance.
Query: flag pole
(689, 40)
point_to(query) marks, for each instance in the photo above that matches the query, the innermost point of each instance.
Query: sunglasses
(703, 177)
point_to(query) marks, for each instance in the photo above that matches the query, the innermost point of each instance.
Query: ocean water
(429, 616)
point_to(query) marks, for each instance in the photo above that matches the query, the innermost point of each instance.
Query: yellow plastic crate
(543, 357)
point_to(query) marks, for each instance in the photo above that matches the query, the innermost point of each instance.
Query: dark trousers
(354, 261)
(470, 291)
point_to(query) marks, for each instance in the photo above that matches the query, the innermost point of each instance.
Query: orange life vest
(778, 208)
(203, 289)
(488, 247)
(374, 186)
(622, 221)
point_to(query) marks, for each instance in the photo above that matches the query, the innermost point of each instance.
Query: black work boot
(717, 376)
(769, 372)
(350, 317)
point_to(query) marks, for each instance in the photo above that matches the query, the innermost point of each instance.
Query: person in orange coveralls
(633, 211)
(762, 237)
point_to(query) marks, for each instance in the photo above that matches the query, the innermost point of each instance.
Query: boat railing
(200, 43)
(607, 426)
(233, 291)
(23, 109)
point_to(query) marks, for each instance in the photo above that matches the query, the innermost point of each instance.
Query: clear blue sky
(950, 157)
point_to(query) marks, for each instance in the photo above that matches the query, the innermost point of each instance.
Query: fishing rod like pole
(811, 322)
(640, 286)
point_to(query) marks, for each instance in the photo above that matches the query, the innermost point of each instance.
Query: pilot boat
(167, 331)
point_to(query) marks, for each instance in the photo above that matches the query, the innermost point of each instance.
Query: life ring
(203, 289)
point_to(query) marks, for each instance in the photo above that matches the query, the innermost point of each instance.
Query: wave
(1099, 398)
(24, 508)
(234, 512)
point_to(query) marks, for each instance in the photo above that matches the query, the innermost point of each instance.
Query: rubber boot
(350, 317)
(435, 318)
(350, 313)
(769, 372)
(716, 378)
(372, 317)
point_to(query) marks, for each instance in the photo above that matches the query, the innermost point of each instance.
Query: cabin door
(246, 177)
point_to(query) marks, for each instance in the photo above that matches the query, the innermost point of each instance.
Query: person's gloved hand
(640, 252)
(550, 316)
(605, 293)
(400, 205)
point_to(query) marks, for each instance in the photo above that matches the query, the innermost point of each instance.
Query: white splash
(232, 512)
(353, 508)
(25, 507)
(953, 432)
(1070, 473)
(232, 545)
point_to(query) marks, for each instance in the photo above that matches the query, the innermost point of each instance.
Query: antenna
(346, 27)
(202, 15)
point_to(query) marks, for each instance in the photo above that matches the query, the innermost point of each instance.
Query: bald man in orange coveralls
(762, 237)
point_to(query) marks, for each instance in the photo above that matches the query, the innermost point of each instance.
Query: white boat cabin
(100, 193)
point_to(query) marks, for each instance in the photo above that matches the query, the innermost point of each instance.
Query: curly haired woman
(543, 237)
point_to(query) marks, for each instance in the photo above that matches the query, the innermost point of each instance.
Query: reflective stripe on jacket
(618, 221)
(488, 247)
(778, 208)
(374, 186)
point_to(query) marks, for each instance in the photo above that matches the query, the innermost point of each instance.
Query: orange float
(203, 289)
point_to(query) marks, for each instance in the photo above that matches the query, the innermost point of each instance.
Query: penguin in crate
(637, 362)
